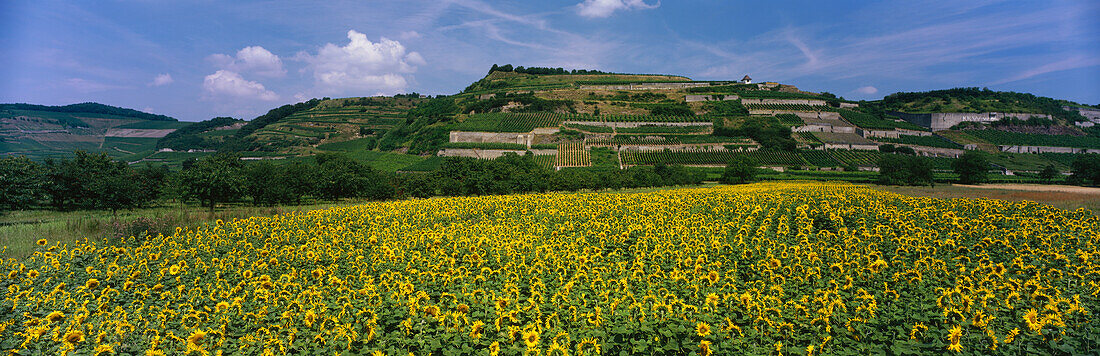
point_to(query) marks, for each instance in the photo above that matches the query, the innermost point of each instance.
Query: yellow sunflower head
(41, 242)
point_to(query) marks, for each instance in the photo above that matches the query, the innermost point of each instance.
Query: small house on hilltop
(746, 80)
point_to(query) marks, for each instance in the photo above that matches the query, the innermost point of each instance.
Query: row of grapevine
(789, 107)
(857, 157)
(930, 141)
(508, 122)
(573, 154)
(869, 121)
(789, 119)
(710, 157)
(998, 137)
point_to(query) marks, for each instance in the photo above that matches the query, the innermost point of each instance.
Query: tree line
(96, 182)
(541, 70)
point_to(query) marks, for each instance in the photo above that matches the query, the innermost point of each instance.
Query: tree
(211, 180)
(22, 183)
(267, 184)
(897, 169)
(95, 181)
(1086, 169)
(1048, 173)
(741, 169)
(972, 167)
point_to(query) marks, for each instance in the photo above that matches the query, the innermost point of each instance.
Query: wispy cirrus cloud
(605, 8)
(1075, 62)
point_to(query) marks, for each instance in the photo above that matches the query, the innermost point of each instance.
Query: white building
(746, 80)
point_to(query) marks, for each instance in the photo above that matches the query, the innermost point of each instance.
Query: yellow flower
(531, 338)
(194, 342)
(91, 284)
(74, 336)
(476, 328)
(702, 329)
(55, 316)
(494, 348)
(100, 349)
(174, 270)
(705, 345)
(221, 306)
(32, 274)
(40, 242)
(953, 339)
(712, 300)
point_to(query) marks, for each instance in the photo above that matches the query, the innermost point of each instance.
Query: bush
(741, 169)
(972, 167)
(897, 169)
(1086, 169)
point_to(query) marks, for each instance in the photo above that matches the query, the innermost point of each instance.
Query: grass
(1063, 200)
(20, 229)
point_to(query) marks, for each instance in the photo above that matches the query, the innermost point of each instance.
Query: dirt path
(1037, 188)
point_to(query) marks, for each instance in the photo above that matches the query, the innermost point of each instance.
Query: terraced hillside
(39, 132)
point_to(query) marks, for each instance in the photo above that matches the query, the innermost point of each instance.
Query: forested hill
(976, 100)
(92, 108)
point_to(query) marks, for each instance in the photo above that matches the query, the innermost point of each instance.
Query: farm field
(794, 267)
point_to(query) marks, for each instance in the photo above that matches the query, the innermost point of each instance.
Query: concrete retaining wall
(694, 98)
(646, 86)
(821, 127)
(810, 102)
(639, 124)
(826, 115)
(1045, 149)
(945, 120)
(849, 146)
(892, 133)
(491, 137)
(849, 105)
(488, 154)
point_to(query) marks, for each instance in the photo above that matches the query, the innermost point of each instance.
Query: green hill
(40, 131)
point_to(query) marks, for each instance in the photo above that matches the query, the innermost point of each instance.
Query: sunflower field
(769, 268)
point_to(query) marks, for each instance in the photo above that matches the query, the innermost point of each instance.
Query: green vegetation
(876, 121)
(904, 170)
(507, 122)
(789, 107)
(91, 108)
(710, 157)
(978, 100)
(1015, 138)
(790, 119)
(929, 141)
(486, 145)
(189, 137)
(972, 167)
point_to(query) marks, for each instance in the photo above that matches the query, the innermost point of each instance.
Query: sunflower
(317, 273)
(705, 346)
(463, 308)
(953, 337)
(221, 306)
(91, 284)
(174, 270)
(494, 348)
(248, 274)
(32, 274)
(41, 242)
(55, 316)
(531, 338)
(712, 300)
(702, 329)
(476, 328)
(74, 336)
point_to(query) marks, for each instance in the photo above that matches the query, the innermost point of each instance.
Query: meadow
(767, 268)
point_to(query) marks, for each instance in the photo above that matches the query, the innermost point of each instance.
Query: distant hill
(40, 131)
(89, 108)
(978, 100)
(578, 118)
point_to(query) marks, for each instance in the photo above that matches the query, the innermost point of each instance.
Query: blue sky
(194, 60)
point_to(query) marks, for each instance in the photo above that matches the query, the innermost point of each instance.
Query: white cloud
(161, 80)
(227, 83)
(408, 35)
(867, 90)
(252, 59)
(604, 8)
(362, 65)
